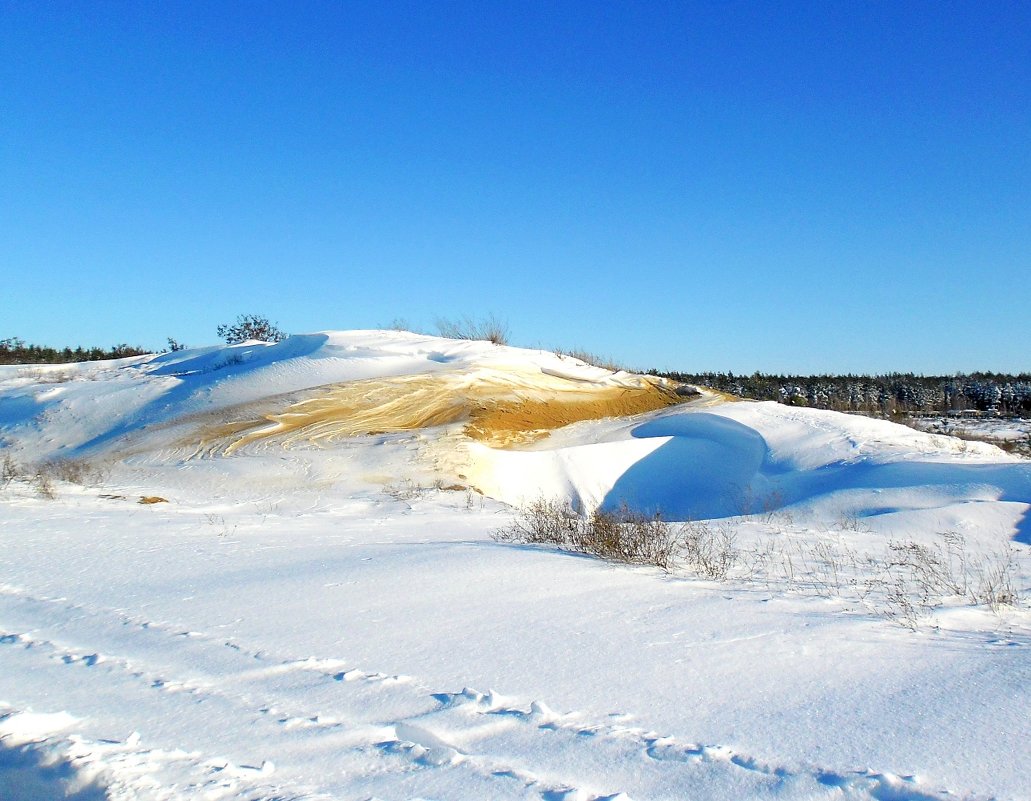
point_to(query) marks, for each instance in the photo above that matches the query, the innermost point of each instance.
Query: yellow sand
(499, 410)
(507, 422)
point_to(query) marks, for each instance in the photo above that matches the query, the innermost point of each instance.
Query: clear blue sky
(818, 186)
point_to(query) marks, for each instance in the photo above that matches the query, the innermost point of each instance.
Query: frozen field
(318, 607)
(1013, 433)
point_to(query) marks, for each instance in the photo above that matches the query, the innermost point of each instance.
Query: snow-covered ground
(319, 609)
(1012, 432)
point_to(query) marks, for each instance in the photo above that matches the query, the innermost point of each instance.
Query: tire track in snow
(128, 763)
(428, 739)
(235, 689)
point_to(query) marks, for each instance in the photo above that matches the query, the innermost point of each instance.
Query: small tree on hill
(250, 326)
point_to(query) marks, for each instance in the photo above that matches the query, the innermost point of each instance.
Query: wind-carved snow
(323, 614)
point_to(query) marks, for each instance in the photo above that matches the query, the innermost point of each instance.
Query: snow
(745, 457)
(322, 618)
(991, 429)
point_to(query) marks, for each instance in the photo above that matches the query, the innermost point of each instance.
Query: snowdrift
(309, 389)
(483, 415)
(319, 610)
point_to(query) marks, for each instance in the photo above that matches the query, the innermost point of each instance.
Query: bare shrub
(919, 577)
(44, 475)
(219, 522)
(820, 567)
(765, 507)
(42, 375)
(44, 485)
(899, 605)
(491, 329)
(8, 471)
(904, 584)
(74, 471)
(935, 570)
(851, 521)
(628, 536)
(709, 550)
(403, 490)
(543, 521)
(79, 471)
(995, 583)
(622, 535)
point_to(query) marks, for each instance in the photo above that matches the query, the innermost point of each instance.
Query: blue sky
(808, 187)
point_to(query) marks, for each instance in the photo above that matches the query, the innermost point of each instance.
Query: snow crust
(334, 620)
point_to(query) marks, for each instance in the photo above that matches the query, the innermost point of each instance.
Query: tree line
(890, 394)
(15, 351)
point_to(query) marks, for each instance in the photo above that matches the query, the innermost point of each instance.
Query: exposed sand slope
(309, 389)
(499, 409)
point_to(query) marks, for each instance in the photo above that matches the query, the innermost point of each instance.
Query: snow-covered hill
(319, 610)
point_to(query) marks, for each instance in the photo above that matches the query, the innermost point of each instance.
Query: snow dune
(319, 610)
(317, 386)
(693, 463)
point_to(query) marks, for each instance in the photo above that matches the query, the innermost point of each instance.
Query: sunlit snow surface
(328, 617)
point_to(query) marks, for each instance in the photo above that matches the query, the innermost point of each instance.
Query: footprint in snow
(89, 660)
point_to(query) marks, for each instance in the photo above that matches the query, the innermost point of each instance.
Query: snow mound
(744, 458)
(515, 424)
(328, 385)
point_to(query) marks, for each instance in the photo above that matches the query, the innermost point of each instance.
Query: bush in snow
(250, 326)
(544, 521)
(629, 536)
(709, 550)
(622, 535)
(8, 471)
(905, 585)
(44, 484)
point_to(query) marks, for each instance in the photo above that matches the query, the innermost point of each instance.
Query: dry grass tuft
(490, 329)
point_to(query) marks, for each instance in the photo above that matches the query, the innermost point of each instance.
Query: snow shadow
(194, 371)
(957, 482)
(27, 775)
(715, 467)
(1002, 482)
(18, 408)
(235, 359)
(709, 468)
(1023, 534)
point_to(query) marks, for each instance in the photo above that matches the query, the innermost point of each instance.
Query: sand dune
(498, 409)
